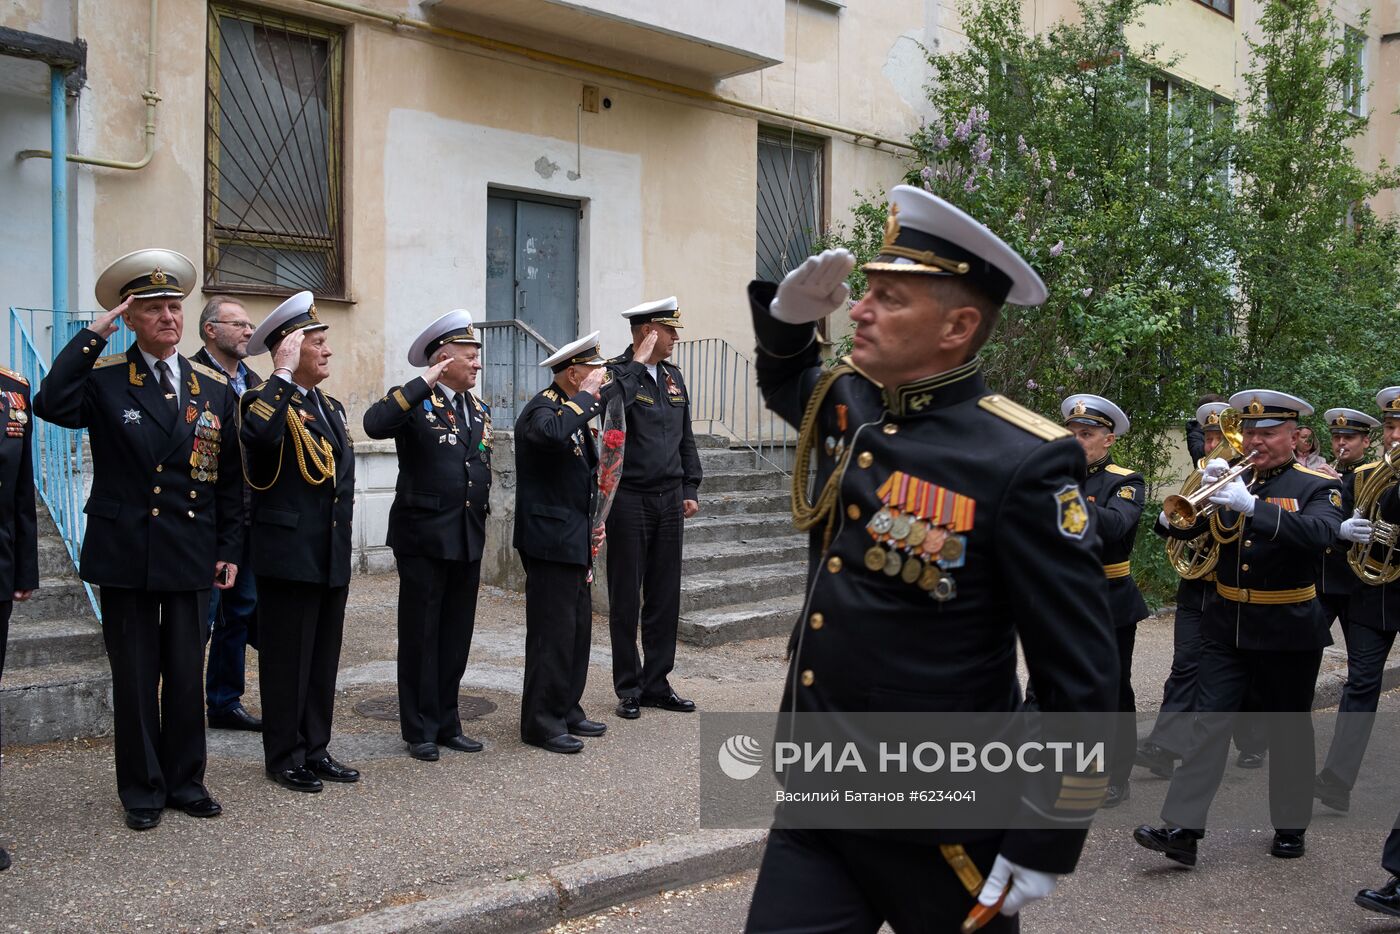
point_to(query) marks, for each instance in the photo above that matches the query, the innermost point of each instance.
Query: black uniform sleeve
(262, 427)
(26, 524)
(788, 360)
(552, 428)
(626, 380)
(1195, 440)
(391, 414)
(1060, 602)
(62, 397)
(1312, 528)
(1121, 514)
(228, 494)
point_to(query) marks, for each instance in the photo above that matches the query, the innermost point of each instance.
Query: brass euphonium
(1194, 558)
(1185, 509)
(1362, 557)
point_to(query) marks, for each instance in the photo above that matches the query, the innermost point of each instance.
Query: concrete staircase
(56, 683)
(744, 567)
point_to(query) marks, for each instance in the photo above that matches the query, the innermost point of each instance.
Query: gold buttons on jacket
(865, 459)
(1250, 544)
(156, 511)
(194, 494)
(1244, 567)
(190, 513)
(808, 678)
(853, 511)
(156, 490)
(890, 429)
(160, 468)
(87, 350)
(817, 620)
(834, 565)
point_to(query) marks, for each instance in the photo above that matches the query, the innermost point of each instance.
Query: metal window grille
(273, 199)
(789, 202)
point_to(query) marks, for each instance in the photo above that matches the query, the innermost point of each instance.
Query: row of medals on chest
(913, 550)
(204, 458)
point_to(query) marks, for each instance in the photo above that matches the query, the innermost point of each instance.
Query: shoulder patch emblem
(1025, 419)
(1315, 473)
(1128, 492)
(1119, 470)
(1335, 498)
(209, 371)
(1072, 512)
(111, 359)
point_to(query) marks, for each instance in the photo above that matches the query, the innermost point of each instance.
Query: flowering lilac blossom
(970, 185)
(1021, 146)
(1053, 166)
(1032, 384)
(962, 131)
(1070, 174)
(1045, 183)
(926, 173)
(1085, 293)
(1057, 249)
(941, 142)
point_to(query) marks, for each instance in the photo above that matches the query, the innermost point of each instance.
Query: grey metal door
(532, 276)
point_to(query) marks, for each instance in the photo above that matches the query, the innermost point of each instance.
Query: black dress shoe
(1158, 761)
(297, 779)
(142, 818)
(1116, 795)
(425, 752)
(628, 708)
(4, 859)
(1385, 899)
(204, 807)
(235, 719)
(588, 728)
(1287, 845)
(461, 742)
(670, 702)
(1250, 760)
(333, 771)
(1175, 843)
(562, 743)
(1332, 792)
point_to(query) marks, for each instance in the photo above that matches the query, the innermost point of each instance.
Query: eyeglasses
(243, 325)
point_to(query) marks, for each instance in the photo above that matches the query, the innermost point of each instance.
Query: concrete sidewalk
(512, 825)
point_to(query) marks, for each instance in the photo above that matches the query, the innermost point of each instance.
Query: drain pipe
(58, 139)
(150, 97)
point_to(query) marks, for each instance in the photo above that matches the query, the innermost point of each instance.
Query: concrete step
(714, 460)
(709, 557)
(40, 705)
(744, 502)
(54, 563)
(43, 642)
(736, 528)
(711, 441)
(741, 585)
(64, 598)
(735, 481)
(731, 623)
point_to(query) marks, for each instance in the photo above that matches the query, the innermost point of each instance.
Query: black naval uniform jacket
(441, 498)
(19, 538)
(300, 532)
(661, 453)
(1026, 563)
(556, 476)
(1374, 606)
(167, 486)
(1336, 576)
(1117, 495)
(1265, 580)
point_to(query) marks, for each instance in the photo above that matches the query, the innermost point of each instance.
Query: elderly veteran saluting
(917, 592)
(1116, 497)
(437, 525)
(301, 466)
(164, 521)
(1264, 629)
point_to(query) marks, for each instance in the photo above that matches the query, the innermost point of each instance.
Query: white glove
(1355, 529)
(1214, 470)
(1235, 495)
(814, 289)
(1027, 885)
(1163, 521)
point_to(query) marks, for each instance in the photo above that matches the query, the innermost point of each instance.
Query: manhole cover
(386, 707)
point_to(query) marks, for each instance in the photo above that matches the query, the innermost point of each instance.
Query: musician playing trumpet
(1263, 624)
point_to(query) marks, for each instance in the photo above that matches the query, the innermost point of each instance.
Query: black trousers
(837, 882)
(558, 634)
(645, 533)
(1367, 650)
(1120, 767)
(300, 625)
(437, 610)
(1285, 682)
(155, 645)
(1390, 855)
(6, 607)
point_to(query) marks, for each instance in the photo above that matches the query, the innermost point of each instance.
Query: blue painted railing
(60, 465)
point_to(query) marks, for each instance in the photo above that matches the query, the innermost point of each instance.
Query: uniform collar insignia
(1275, 471)
(937, 391)
(1100, 464)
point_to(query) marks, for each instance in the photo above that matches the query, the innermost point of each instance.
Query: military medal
(451, 439)
(926, 521)
(913, 570)
(893, 563)
(830, 446)
(882, 521)
(929, 578)
(902, 525)
(917, 532)
(945, 589)
(190, 414)
(875, 557)
(952, 549)
(933, 543)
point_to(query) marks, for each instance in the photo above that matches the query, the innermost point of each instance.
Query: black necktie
(167, 384)
(464, 426)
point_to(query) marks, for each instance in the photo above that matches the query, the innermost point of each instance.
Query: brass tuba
(1194, 558)
(1364, 563)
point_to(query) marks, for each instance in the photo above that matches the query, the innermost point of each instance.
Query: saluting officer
(301, 466)
(1371, 614)
(1116, 497)
(556, 482)
(660, 488)
(164, 521)
(19, 541)
(1262, 630)
(437, 525)
(910, 606)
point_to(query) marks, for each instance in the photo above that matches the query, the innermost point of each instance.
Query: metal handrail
(511, 375)
(724, 393)
(60, 456)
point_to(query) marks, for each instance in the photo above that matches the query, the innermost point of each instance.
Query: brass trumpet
(1186, 509)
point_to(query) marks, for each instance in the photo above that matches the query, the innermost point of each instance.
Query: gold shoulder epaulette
(848, 366)
(17, 377)
(1366, 466)
(1119, 469)
(112, 359)
(553, 395)
(1315, 473)
(209, 371)
(1023, 418)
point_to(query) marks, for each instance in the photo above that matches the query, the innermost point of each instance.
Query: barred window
(789, 201)
(273, 201)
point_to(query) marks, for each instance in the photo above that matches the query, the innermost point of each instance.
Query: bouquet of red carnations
(613, 440)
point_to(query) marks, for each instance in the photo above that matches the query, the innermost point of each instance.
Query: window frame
(1210, 6)
(798, 142)
(334, 245)
(1354, 46)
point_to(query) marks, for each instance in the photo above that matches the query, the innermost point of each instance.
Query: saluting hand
(435, 371)
(814, 289)
(289, 351)
(105, 324)
(594, 381)
(646, 354)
